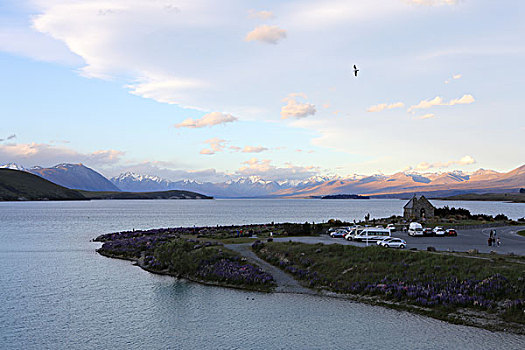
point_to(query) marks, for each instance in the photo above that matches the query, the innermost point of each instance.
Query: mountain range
(74, 176)
(398, 185)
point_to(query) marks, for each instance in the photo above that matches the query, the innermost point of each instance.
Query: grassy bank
(480, 290)
(171, 252)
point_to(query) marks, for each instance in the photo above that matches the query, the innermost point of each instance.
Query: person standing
(498, 241)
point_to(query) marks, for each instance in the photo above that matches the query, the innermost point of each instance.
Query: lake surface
(57, 293)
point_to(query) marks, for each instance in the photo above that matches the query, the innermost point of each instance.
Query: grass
(440, 284)
(521, 233)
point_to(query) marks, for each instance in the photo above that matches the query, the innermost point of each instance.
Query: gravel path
(285, 282)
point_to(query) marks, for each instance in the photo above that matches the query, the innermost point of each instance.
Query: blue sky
(213, 90)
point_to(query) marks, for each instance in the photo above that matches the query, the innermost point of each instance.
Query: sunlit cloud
(267, 34)
(423, 166)
(210, 119)
(382, 106)
(438, 101)
(266, 170)
(426, 116)
(216, 145)
(454, 77)
(295, 109)
(264, 14)
(43, 154)
(254, 149)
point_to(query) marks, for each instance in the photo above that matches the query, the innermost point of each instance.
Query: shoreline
(140, 248)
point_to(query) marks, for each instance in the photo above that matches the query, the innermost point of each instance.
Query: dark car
(428, 232)
(451, 232)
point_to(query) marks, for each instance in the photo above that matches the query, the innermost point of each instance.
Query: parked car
(438, 231)
(391, 227)
(451, 232)
(352, 232)
(338, 234)
(427, 231)
(415, 229)
(392, 242)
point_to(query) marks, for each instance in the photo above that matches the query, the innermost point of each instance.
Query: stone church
(418, 208)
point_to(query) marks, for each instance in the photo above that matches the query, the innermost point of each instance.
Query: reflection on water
(56, 292)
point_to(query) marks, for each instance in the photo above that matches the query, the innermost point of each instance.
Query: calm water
(57, 293)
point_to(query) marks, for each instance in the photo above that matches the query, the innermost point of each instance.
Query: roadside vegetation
(457, 288)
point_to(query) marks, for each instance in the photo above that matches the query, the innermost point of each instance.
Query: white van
(415, 229)
(353, 231)
(372, 234)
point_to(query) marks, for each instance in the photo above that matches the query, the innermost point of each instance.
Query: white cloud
(264, 14)
(426, 116)
(267, 34)
(438, 101)
(210, 119)
(43, 154)
(383, 106)
(295, 109)
(466, 160)
(164, 89)
(254, 149)
(216, 145)
(266, 170)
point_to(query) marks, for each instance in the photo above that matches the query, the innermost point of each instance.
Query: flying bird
(355, 70)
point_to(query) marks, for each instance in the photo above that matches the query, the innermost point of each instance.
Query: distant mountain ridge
(73, 176)
(398, 185)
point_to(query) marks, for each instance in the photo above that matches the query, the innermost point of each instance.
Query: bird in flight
(355, 70)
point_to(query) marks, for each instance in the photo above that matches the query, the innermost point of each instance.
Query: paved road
(466, 239)
(285, 282)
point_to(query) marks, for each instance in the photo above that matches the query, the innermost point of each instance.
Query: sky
(213, 90)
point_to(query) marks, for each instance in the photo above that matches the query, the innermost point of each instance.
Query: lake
(57, 293)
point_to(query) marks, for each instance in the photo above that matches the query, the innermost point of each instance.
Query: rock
(318, 250)
(197, 246)
(413, 249)
(269, 240)
(473, 251)
(431, 249)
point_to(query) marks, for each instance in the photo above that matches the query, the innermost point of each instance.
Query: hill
(503, 197)
(19, 185)
(144, 195)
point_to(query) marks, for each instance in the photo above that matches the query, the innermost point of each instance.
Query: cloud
(210, 119)
(438, 101)
(216, 145)
(454, 77)
(164, 89)
(260, 14)
(30, 154)
(294, 109)
(432, 2)
(267, 34)
(426, 116)
(268, 171)
(466, 160)
(383, 106)
(254, 149)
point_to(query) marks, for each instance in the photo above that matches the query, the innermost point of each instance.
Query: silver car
(392, 242)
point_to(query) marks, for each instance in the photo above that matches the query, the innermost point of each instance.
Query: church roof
(411, 202)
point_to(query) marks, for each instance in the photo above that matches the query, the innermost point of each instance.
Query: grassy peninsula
(479, 290)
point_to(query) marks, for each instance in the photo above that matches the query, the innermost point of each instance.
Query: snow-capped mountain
(74, 176)
(12, 166)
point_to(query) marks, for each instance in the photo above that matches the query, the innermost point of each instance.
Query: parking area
(511, 242)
